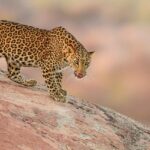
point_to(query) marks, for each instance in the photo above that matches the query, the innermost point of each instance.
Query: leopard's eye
(87, 63)
(76, 62)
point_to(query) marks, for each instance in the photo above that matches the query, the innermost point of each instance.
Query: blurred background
(119, 32)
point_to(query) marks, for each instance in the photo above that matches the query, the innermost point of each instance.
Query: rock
(30, 120)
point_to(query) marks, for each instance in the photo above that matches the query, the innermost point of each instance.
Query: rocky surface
(30, 120)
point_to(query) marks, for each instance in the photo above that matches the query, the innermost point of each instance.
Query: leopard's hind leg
(1, 53)
(14, 74)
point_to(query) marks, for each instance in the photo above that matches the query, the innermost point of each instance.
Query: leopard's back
(21, 43)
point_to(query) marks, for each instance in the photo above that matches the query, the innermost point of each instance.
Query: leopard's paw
(30, 83)
(61, 97)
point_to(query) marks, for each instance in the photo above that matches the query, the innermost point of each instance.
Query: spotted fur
(51, 50)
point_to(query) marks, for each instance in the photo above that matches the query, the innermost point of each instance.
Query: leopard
(50, 50)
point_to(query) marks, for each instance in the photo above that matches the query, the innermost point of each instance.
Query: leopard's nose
(79, 75)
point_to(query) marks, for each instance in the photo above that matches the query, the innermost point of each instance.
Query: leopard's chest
(61, 66)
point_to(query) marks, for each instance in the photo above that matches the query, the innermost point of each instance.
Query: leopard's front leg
(53, 82)
(58, 78)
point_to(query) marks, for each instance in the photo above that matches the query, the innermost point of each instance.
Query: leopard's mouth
(79, 75)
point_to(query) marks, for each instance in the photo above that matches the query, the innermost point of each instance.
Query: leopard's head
(80, 64)
(75, 54)
(80, 61)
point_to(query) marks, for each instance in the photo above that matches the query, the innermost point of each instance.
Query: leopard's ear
(91, 53)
